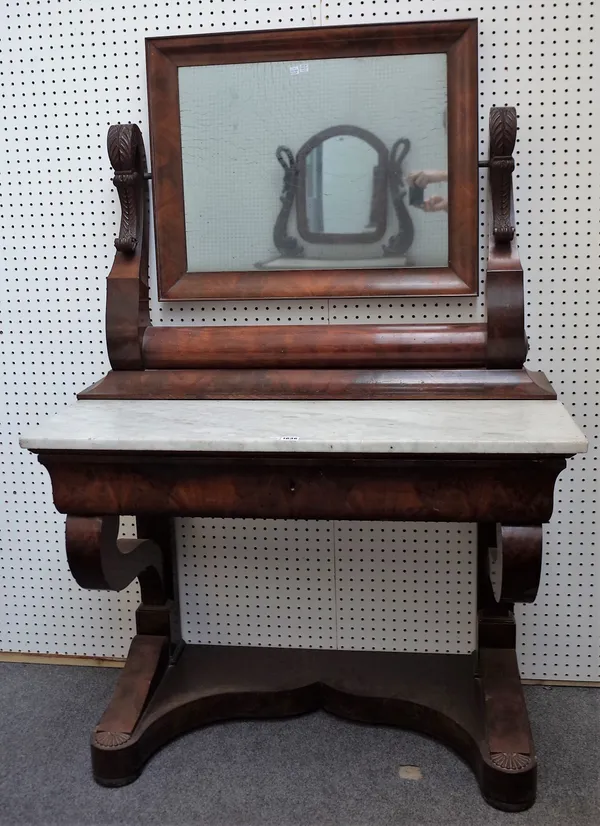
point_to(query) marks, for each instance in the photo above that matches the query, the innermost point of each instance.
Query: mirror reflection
(342, 180)
(342, 187)
(338, 163)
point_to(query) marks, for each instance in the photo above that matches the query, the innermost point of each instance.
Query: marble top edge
(315, 426)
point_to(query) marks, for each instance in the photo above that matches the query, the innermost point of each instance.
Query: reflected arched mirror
(342, 187)
(340, 184)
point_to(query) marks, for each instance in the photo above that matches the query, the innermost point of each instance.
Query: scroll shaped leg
(511, 556)
(518, 555)
(100, 560)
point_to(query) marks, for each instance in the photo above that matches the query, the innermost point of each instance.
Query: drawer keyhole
(292, 486)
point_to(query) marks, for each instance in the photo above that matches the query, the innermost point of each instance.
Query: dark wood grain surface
(325, 383)
(310, 486)
(315, 346)
(98, 559)
(127, 292)
(436, 694)
(146, 663)
(504, 292)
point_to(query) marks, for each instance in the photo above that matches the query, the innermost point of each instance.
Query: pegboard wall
(71, 69)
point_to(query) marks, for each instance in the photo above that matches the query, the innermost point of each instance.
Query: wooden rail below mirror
(318, 345)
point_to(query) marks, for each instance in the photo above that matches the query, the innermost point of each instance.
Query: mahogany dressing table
(420, 422)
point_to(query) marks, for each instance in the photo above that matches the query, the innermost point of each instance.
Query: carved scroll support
(512, 560)
(127, 309)
(98, 559)
(503, 136)
(518, 554)
(505, 300)
(128, 159)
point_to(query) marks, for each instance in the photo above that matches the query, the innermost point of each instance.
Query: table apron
(510, 490)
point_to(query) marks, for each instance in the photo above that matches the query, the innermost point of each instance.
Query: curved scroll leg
(100, 560)
(518, 554)
(509, 572)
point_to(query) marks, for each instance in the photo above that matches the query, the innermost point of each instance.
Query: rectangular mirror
(316, 162)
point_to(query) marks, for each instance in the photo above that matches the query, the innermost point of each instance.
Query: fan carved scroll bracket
(503, 136)
(128, 159)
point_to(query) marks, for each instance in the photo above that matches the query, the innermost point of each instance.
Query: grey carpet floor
(308, 771)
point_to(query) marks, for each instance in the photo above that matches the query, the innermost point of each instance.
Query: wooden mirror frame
(379, 194)
(456, 39)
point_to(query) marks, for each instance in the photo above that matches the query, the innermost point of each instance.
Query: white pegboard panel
(316, 584)
(70, 69)
(404, 586)
(257, 582)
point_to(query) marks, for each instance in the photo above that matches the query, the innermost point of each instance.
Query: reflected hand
(425, 177)
(437, 203)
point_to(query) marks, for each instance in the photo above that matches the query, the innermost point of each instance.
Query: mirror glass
(339, 191)
(263, 191)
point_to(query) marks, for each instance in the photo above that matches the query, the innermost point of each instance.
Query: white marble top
(442, 427)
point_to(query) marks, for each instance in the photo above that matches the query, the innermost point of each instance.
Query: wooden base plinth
(482, 717)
